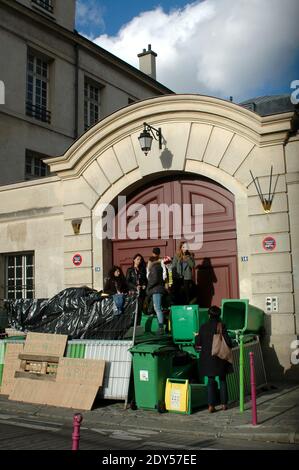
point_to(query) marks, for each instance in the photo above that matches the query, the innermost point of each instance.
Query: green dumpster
(184, 397)
(185, 320)
(241, 317)
(152, 364)
(184, 365)
(149, 323)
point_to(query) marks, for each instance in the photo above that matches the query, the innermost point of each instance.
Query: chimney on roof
(147, 62)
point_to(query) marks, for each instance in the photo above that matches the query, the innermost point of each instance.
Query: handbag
(219, 346)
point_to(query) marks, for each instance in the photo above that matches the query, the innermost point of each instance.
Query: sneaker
(211, 409)
(160, 331)
(224, 407)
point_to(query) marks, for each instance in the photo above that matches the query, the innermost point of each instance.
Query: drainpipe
(293, 131)
(76, 132)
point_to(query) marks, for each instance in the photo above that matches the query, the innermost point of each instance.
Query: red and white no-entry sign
(269, 243)
(77, 259)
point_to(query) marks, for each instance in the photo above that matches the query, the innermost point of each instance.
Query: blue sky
(115, 13)
(222, 48)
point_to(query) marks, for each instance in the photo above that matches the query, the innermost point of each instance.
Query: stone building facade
(57, 84)
(204, 139)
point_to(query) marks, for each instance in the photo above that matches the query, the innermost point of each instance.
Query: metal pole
(253, 389)
(133, 342)
(77, 420)
(135, 317)
(241, 374)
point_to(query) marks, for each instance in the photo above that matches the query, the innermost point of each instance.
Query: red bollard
(77, 420)
(253, 389)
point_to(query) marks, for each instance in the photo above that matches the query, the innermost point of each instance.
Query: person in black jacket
(137, 281)
(116, 285)
(212, 366)
(155, 287)
(136, 275)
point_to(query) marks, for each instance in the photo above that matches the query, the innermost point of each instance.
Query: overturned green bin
(152, 364)
(240, 317)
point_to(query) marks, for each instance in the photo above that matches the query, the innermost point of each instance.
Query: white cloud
(217, 47)
(89, 15)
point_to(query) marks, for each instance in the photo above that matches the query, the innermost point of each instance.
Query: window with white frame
(19, 276)
(37, 88)
(91, 104)
(45, 4)
(34, 165)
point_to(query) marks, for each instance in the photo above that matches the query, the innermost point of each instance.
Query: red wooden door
(216, 274)
(124, 250)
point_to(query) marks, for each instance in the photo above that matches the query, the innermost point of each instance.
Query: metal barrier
(2, 353)
(118, 363)
(114, 352)
(260, 373)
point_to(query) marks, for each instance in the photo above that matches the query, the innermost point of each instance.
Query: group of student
(152, 281)
(159, 277)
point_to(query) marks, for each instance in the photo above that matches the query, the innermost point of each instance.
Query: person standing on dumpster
(155, 287)
(183, 264)
(213, 366)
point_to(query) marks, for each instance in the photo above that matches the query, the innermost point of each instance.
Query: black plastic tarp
(77, 312)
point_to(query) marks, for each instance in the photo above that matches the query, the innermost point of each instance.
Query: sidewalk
(278, 417)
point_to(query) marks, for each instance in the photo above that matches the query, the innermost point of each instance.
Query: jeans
(212, 391)
(119, 300)
(157, 300)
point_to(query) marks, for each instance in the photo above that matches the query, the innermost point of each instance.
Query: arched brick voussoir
(177, 110)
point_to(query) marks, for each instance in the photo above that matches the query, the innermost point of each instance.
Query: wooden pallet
(38, 367)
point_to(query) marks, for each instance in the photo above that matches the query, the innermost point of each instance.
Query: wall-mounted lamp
(76, 223)
(266, 201)
(147, 135)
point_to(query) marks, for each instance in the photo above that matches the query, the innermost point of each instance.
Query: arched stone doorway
(216, 272)
(202, 136)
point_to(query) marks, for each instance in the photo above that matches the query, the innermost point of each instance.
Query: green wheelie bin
(185, 320)
(241, 318)
(152, 365)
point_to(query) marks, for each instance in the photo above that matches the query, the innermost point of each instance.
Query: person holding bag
(213, 333)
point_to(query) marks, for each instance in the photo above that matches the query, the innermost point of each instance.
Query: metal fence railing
(233, 380)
